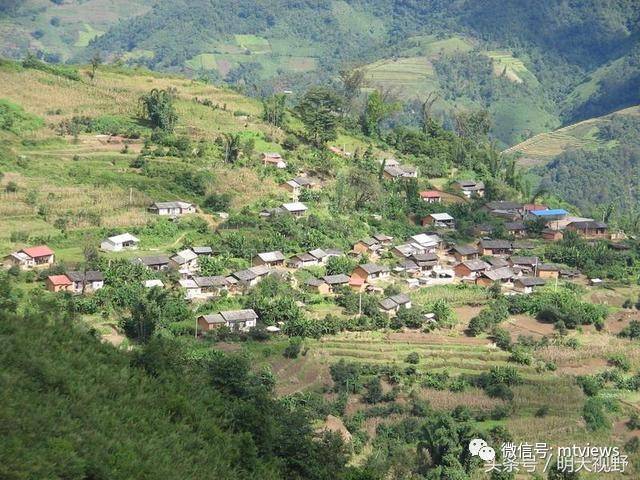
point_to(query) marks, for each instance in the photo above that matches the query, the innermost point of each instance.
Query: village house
(522, 245)
(424, 261)
(336, 281)
(297, 209)
(431, 196)
(497, 262)
(589, 229)
(500, 275)
(464, 252)
(409, 267)
(58, 283)
(442, 220)
(382, 239)
(469, 188)
(548, 270)
(191, 289)
(212, 286)
(270, 259)
(530, 207)
(86, 282)
(249, 277)
(367, 246)
(235, 320)
(302, 260)
(515, 229)
(399, 172)
(185, 261)
(318, 286)
(172, 209)
(495, 247)
(503, 209)
(526, 265)
(156, 263)
(117, 243)
(483, 229)
(296, 185)
(552, 235)
(470, 268)
(393, 304)
(406, 250)
(31, 257)
(429, 242)
(555, 218)
(370, 272)
(528, 284)
(272, 159)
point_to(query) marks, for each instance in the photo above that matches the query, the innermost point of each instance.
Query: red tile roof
(40, 251)
(431, 194)
(59, 280)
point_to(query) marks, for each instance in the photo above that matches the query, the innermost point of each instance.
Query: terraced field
(543, 147)
(407, 76)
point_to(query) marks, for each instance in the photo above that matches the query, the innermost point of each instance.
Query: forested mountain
(534, 67)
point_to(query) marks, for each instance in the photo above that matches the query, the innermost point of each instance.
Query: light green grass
(86, 35)
(254, 43)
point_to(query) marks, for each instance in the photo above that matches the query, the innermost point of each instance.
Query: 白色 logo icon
(478, 447)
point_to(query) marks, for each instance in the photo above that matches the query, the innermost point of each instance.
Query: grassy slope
(78, 23)
(545, 146)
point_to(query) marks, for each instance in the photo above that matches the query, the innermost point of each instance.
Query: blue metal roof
(550, 213)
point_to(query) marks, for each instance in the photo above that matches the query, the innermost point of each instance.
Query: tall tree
(274, 109)
(377, 109)
(319, 110)
(157, 107)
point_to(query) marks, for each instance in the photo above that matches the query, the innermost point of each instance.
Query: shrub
(413, 357)
(620, 361)
(594, 415)
(292, 350)
(374, 391)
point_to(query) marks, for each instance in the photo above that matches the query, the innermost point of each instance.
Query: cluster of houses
(420, 260)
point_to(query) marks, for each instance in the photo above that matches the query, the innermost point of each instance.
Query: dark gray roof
(388, 304)
(503, 205)
(497, 244)
(548, 267)
(336, 279)
(245, 275)
(215, 281)
(502, 273)
(239, 315)
(369, 241)
(400, 298)
(531, 281)
(304, 257)
(497, 262)
(522, 245)
(475, 265)
(524, 260)
(202, 250)
(213, 318)
(381, 237)
(372, 268)
(424, 257)
(465, 249)
(153, 260)
(89, 276)
(314, 282)
(515, 226)
(588, 225)
(470, 184)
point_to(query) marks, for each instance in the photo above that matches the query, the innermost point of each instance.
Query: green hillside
(544, 147)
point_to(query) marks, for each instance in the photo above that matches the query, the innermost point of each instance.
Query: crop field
(254, 43)
(504, 63)
(86, 35)
(408, 76)
(545, 146)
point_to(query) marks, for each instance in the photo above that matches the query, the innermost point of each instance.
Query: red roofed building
(58, 283)
(431, 196)
(40, 256)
